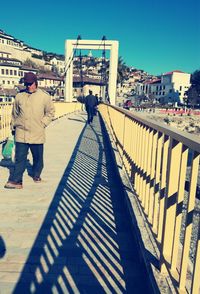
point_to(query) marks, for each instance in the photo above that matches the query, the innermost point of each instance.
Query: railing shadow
(2, 247)
(85, 244)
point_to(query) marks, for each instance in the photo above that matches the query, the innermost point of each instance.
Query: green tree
(122, 72)
(194, 91)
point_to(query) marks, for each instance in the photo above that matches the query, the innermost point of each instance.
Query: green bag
(8, 148)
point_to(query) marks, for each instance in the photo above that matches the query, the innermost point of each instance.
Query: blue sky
(154, 35)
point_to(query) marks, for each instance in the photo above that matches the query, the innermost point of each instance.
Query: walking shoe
(37, 179)
(13, 185)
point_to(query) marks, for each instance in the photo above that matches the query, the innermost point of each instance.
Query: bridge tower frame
(71, 45)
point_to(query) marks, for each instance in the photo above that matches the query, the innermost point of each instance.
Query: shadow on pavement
(2, 247)
(85, 244)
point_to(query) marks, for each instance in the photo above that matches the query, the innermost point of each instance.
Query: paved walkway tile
(71, 233)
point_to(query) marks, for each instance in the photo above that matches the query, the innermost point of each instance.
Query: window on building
(159, 93)
(8, 82)
(3, 82)
(2, 71)
(170, 90)
(163, 93)
(15, 72)
(163, 87)
(6, 71)
(180, 88)
(11, 72)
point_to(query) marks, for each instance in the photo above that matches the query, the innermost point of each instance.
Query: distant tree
(152, 98)
(54, 69)
(28, 62)
(123, 71)
(194, 91)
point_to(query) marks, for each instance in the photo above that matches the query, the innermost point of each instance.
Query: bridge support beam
(71, 45)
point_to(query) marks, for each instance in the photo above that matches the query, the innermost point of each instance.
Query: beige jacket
(30, 115)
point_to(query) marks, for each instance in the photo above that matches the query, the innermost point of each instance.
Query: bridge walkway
(71, 233)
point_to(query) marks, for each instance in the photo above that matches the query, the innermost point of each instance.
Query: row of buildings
(168, 88)
(17, 58)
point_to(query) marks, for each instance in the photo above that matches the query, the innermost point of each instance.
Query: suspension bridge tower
(72, 45)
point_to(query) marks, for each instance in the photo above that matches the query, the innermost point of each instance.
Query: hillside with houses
(17, 58)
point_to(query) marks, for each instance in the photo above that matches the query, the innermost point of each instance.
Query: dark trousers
(90, 113)
(21, 152)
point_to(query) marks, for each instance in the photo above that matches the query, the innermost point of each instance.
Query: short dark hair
(90, 92)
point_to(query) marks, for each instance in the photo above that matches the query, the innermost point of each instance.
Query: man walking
(90, 104)
(32, 111)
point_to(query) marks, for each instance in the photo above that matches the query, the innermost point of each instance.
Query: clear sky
(154, 35)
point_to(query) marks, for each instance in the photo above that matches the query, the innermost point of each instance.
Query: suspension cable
(81, 73)
(68, 64)
(103, 71)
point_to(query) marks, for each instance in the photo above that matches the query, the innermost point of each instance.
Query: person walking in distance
(32, 112)
(97, 102)
(90, 104)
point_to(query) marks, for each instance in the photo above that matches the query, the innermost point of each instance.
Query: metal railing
(5, 118)
(61, 108)
(163, 167)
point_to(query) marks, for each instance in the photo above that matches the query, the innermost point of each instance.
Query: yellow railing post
(189, 215)
(157, 183)
(196, 280)
(173, 171)
(179, 213)
(163, 187)
(150, 207)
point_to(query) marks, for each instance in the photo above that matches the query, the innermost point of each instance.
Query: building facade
(171, 87)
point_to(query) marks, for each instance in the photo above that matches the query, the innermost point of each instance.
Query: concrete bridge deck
(71, 233)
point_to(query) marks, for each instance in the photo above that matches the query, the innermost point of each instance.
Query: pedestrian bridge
(117, 211)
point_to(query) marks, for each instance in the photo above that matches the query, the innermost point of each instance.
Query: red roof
(171, 72)
(153, 81)
(87, 80)
(49, 76)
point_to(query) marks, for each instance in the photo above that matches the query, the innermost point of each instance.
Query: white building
(171, 87)
(18, 50)
(11, 71)
(52, 84)
(59, 64)
(13, 54)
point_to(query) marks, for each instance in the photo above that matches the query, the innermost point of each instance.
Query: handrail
(61, 108)
(185, 137)
(163, 167)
